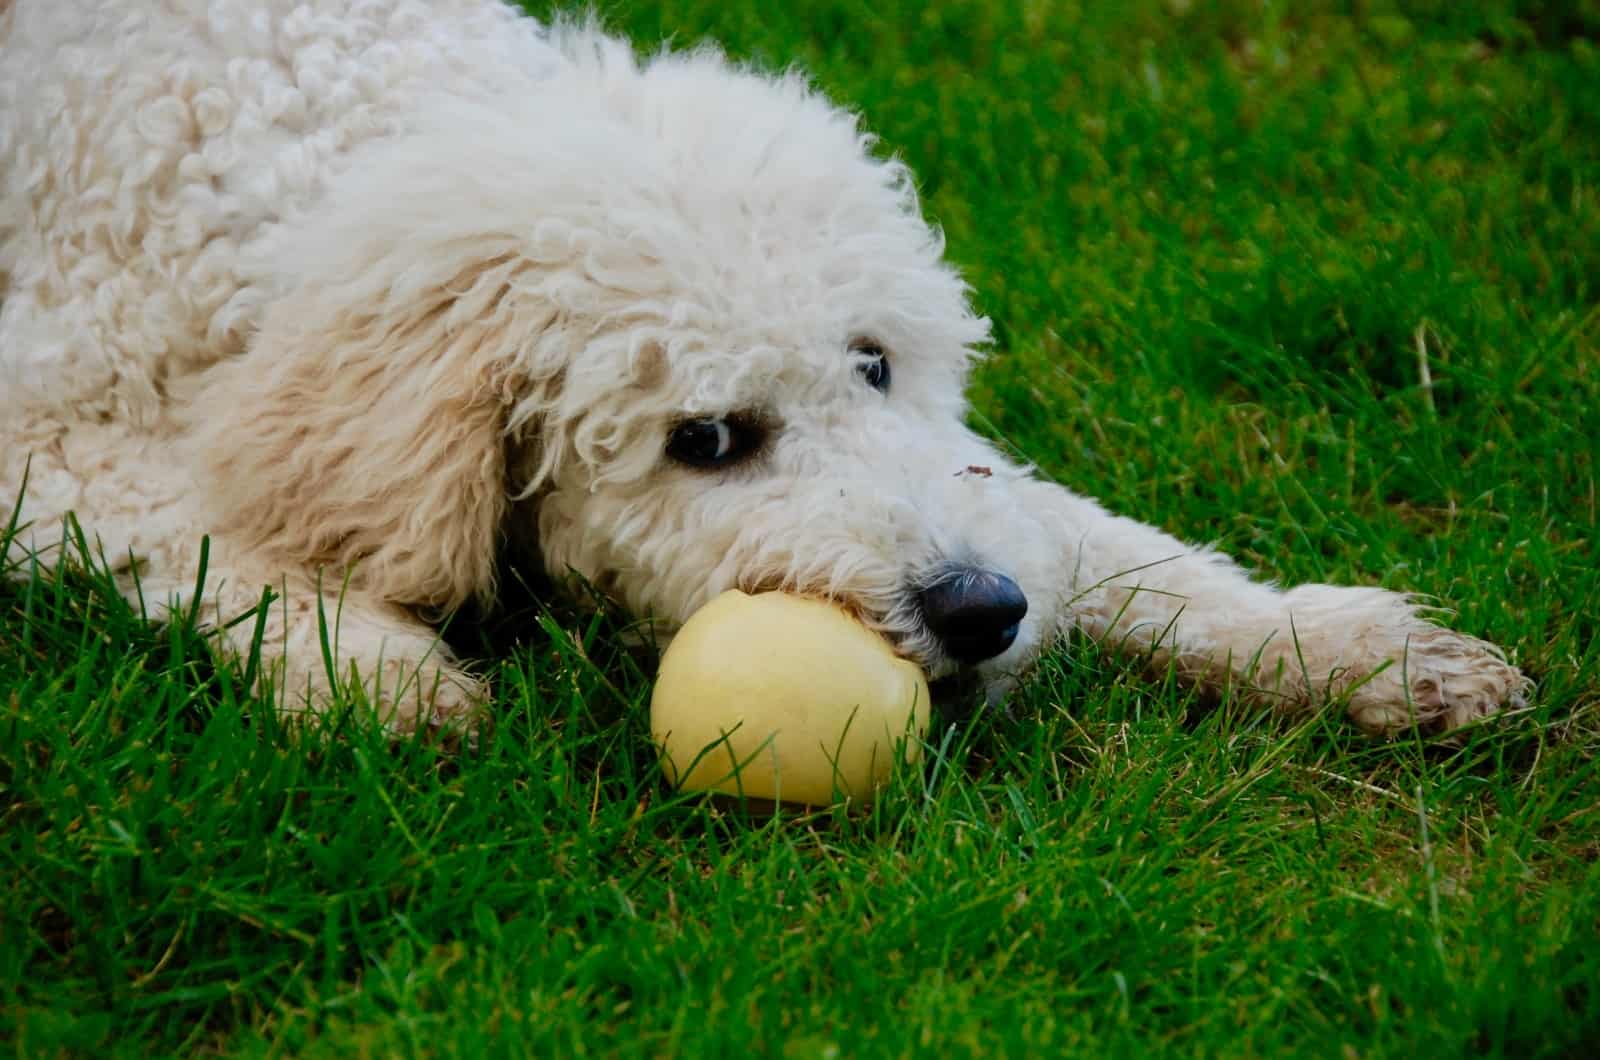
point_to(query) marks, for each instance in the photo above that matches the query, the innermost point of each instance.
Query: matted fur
(368, 289)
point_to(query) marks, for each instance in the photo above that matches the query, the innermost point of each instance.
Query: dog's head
(675, 322)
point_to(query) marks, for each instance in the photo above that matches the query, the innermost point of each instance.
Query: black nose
(974, 613)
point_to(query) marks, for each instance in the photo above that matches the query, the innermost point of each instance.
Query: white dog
(371, 290)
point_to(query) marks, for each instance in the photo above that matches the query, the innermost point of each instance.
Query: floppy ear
(366, 428)
(416, 321)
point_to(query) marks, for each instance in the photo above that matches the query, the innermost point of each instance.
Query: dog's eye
(713, 442)
(873, 366)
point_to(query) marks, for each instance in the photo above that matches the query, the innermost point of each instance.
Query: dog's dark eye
(713, 442)
(874, 365)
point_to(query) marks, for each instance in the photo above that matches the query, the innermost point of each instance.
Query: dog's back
(148, 147)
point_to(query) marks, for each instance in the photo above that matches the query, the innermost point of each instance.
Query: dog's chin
(956, 697)
(960, 694)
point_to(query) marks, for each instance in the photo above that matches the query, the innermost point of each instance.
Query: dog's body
(370, 291)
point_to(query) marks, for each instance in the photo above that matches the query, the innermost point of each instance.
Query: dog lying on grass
(372, 291)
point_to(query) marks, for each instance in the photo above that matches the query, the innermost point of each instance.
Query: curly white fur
(369, 290)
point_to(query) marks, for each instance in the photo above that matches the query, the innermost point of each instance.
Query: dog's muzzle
(974, 613)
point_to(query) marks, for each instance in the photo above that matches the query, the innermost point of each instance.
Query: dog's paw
(408, 697)
(405, 697)
(1395, 670)
(1437, 680)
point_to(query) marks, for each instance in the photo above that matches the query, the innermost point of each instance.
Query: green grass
(1211, 242)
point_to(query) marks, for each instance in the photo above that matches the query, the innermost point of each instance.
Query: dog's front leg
(311, 643)
(310, 647)
(1139, 590)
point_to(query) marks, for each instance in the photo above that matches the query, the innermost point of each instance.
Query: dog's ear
(420, 333)
(366, 430)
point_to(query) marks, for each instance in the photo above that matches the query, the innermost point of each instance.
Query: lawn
(1323, 287)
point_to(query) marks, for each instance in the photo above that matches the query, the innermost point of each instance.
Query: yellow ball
(801, 701)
